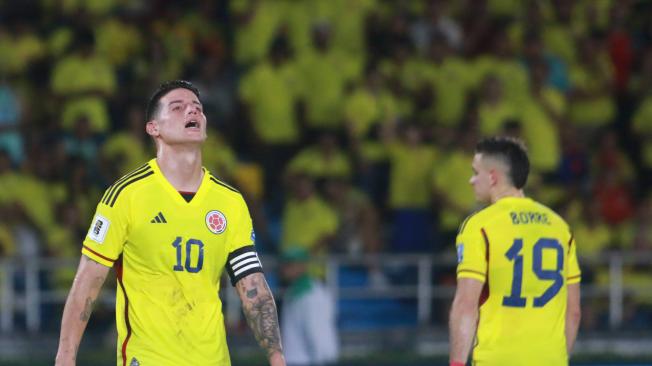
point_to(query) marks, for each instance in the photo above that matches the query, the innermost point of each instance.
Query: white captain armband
(242, 262)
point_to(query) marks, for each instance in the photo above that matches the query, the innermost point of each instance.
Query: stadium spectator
(125, 149)
(308, 221)
(358, 232)
(541, 115)
(437, 21)
(409, 186)
(494, 109)
(327, 67)
(269, 92)
(451, 78)
(591, 103)
(83, 80)
(325, 159)
(308, 318)
(452, 195)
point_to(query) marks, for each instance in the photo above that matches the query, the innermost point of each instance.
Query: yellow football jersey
(525, 255)
(169, 255)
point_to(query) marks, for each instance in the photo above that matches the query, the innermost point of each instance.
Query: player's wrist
(276, 359)
(457, 363)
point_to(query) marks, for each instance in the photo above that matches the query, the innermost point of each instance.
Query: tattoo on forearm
(85, 315)
(88, 309)
(261, 315)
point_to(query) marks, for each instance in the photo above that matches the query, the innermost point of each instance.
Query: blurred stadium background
(349, 126)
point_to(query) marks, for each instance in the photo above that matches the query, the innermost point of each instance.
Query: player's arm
(260, 311)
(464, 318)
(573, 315)
(79, 305)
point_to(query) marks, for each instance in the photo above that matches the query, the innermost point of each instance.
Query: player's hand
(276, 359)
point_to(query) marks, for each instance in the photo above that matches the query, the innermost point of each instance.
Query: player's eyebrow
(181, 101)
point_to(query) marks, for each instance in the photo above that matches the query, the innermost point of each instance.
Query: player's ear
(493, 177)
(152, 128)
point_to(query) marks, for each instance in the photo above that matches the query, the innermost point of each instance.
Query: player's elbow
(463, 308)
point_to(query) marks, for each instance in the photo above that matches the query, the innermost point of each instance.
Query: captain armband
(242, 262)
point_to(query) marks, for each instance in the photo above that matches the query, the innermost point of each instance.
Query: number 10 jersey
(169, 255)
(526, 256)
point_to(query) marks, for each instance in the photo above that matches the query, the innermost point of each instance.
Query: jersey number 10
(555, 275)
(190, 243)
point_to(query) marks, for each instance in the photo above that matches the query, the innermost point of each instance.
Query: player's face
(180, 119)
(481, 179)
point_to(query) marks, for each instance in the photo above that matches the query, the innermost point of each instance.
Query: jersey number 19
(514, 255)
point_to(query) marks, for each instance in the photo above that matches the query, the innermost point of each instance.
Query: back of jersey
(525, 255)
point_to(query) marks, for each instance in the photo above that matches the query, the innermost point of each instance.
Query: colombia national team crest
(216, 222)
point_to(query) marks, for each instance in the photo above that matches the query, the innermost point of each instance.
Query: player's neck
(181, 166)
(503, 192)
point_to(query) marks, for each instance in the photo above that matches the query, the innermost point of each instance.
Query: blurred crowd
(349, 125)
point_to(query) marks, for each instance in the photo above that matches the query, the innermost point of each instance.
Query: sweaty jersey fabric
(169, 255)
(526, 256)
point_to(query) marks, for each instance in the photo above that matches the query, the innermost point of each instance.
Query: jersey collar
(176, 196)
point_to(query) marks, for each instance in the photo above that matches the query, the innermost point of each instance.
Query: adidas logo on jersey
(159, 219)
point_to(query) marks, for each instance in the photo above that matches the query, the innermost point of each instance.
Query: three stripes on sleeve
(112, 193)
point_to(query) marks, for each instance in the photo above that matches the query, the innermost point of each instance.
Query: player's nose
(191, 109)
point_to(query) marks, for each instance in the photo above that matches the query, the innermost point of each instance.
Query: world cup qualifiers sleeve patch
(99, 228)
(460, 253)
(242, 262)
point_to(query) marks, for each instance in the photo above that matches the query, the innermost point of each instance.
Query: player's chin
(195, 135)
(189, 140)
(482, 198)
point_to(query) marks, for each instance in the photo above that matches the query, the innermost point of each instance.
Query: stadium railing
(25, 285)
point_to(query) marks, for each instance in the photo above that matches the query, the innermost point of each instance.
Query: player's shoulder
(553, 216)
(222, 188)
(476, 219)
(126, 184)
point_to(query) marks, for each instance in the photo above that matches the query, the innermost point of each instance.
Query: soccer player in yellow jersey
(170, 229)
(517, 300)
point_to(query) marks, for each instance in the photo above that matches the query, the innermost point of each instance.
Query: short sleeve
(108, 232)
(242, 233)
(574, 273)
(242, 259)
(471, 253)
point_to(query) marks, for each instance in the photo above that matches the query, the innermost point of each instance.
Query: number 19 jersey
(525, 255)
(169, 255)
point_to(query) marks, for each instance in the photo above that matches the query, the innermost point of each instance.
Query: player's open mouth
(192, 124)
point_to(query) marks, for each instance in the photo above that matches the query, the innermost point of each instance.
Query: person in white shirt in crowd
(308, 319)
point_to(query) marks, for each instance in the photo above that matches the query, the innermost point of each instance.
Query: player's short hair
(510, 150)
(153, 103)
